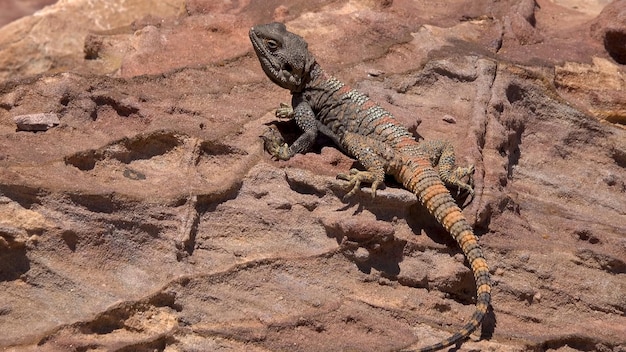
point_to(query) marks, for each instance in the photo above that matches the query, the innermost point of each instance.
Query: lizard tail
(418, 176)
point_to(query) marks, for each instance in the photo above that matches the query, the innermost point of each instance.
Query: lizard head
(284, 56)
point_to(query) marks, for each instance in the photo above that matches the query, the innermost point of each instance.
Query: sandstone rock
(522, 21)
(598, 87)
(610, 29)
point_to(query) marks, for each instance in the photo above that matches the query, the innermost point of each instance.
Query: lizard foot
(458, 175)
(355, 178)
(285, 111)
(275, 145)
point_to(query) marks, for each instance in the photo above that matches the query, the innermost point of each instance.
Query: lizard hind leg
(454, 177)
(373, 155)
(442, 157)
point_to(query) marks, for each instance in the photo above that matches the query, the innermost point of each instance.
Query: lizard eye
(271, 44)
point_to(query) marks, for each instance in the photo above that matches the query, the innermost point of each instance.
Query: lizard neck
(315, 77)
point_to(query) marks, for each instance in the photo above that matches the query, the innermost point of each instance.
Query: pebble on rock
(36, 122)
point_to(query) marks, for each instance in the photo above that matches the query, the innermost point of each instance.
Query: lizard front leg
(305, 119)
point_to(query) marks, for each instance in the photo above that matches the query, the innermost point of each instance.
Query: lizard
(366, 131)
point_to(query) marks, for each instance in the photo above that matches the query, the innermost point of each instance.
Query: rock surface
(151, 219)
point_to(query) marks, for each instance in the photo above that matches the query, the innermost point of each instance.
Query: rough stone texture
(151, 219)
(598, 86)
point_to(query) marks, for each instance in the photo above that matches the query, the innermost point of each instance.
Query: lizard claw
(275, 145)
(285, 111)
(455, 179)
(354, 181)
(469, 186)
(281, 152)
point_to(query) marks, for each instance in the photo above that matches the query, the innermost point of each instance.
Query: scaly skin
(364, 130)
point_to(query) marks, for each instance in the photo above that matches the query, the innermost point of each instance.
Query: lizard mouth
(256, 42)
(262, 53)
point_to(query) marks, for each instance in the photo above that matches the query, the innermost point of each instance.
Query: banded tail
(418, 176)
